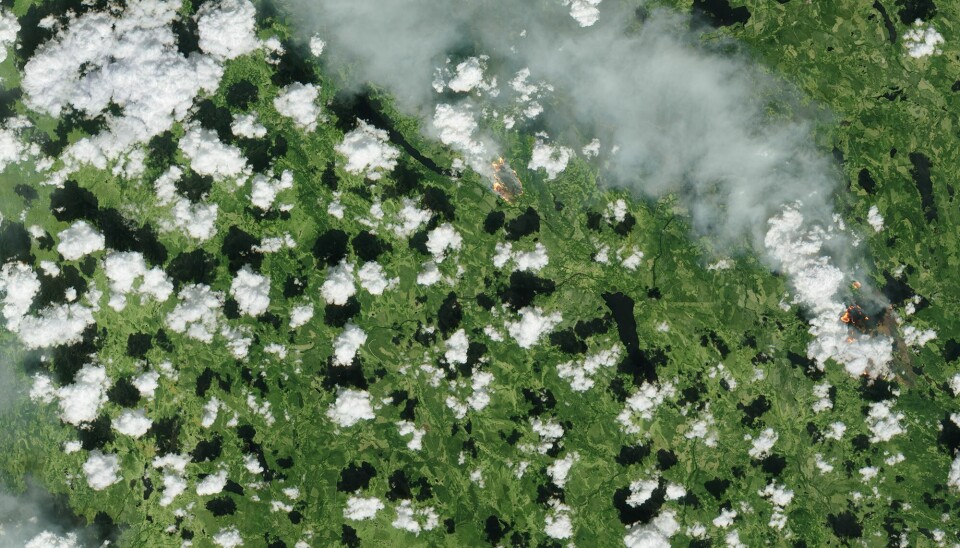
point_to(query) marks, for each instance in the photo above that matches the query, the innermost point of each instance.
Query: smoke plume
(658, 108)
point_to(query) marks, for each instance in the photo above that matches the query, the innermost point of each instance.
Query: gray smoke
(689, 116)
(34, 517)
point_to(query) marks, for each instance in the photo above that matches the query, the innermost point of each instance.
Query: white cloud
(407, 428)
(174, 484)
(557, 523)
(213, 484)
(817, 286)
(79, 240)
(552, 158)
(47, 539)
(11, 149)
(299, 103)
(456, 347)
(300, 315)
(763, 444)
(237, 343)
(210, 411)
(953, 477)
(80, 402)
(147, 383)
(875, 218)
(641, 491)
(361, 508)
(954, 383)
(413, 519)
(338, 287)
(247, 125)
(580, 373)
(429, 275)
(197, 312)
(822, 392)
(442, 239)
(584, 12)
(9, 27)
(347, 343)
(532, 325)
(922, 40)
(101, 470)
(351, 407)
(368, 151)
(227, 28)
(643, 403)
(455, 127)
(374, 279)
(560, 468)
(209, 156)
(917, 337)
(264, 189)
(55, 325)
(132, 422)
(591, 149)
(19, 284)
(633, 260)
(251, 290)
(883, 422)
(123, 268)
(533, 261)
(228, 537)
(156, 284)
(410, 218)
(835, 430)
(655, 534)
(725, 519)
(317, 45)
(131, 61)
(199, 221)
(469, 76)
(616, 210)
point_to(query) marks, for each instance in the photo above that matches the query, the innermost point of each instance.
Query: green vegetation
(885, 105)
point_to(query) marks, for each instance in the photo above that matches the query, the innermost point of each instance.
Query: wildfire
(505, 181)
(856, 317)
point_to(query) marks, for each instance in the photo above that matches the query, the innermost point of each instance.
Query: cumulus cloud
(368, 151)
(922, 40)
(101, 469)
(196, 313)
(227, 28)
(551, 158)
(338, 287)
(132, 422)
(532, 325)
(351, 407)
(347, 343)
(209, 156)
(127, 58)
(251, 290)
(361, 508)
(299, 103)
(79, 240)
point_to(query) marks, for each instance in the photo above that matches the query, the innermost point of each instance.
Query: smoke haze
(656, 107)
(687, 119)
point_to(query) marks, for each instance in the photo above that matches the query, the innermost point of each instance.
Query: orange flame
(505, 180)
